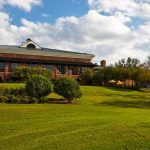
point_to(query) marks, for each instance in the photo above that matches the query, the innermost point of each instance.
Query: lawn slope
(104, 119)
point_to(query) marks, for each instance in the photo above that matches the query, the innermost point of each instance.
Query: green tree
(68, 88)
(38, 86)
(129, 62)
(141, 76)
(98, 77)
(23, 72)
(87, 76)
(147, 62)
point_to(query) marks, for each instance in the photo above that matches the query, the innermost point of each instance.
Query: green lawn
(11, 85)
(104, 119)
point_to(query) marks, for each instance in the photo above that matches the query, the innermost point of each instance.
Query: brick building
(66, 63)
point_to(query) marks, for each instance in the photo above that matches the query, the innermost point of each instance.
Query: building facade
(61, 63)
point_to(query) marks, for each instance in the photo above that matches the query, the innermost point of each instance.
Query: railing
(58, 76)
(4, 74)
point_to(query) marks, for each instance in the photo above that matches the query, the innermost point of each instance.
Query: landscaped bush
(15, 96)
(25, 100)
(44, 100)
(38, 86)
(22, 73)
(87, 76)
(41, 85)
(18, 91)
(68, 88)
(12, 91)
(3, 99)
(33, 100)
(15, 99)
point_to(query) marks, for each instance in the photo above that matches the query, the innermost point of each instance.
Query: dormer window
(29, 44)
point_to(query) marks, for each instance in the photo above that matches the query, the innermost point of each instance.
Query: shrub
(87, 76)
(1, 91)
(22, 99)
(38, 86)
(33, 100)
(12, 95)
(9, 98)
(68, 88)
(4, 91)
(44, 100)
(18, 91)
(23, 73)
(25, 100)
(12, 91)
(15, 99)
(3, 99)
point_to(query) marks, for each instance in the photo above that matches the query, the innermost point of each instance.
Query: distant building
(66, 63)
(103, 63)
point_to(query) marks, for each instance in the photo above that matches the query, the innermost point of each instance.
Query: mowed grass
(104, 119)
(11, 85)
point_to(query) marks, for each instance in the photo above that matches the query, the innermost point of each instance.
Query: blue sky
(109, 29)
(50, 10)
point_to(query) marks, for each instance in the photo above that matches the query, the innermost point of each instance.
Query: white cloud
(24, 4)
(106, 36)
(140, 8)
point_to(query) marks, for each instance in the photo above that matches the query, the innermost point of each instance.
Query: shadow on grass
(120, 89)
(127, 100)
(128, 96)
(130, 103)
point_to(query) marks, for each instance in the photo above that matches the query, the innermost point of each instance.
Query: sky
(109, 29)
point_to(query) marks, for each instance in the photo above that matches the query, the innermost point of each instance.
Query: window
(48, 67)
(84, 68)
(13, 66)
(32, 65)
(61, 69)
(74, 69)
(2, 66)
(31, 46)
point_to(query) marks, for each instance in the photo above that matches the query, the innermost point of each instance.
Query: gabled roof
(39, 51)
(29, 42)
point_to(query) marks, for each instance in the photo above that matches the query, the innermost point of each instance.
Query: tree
(23, 72)
(147, 62)
(129, 62)
(98, 77)
(68, 88)
(87, 76)
(141, 76)
(38, 86)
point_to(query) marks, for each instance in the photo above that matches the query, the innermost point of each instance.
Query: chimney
(103, 63)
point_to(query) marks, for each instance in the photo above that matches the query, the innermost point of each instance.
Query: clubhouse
(29, 53)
